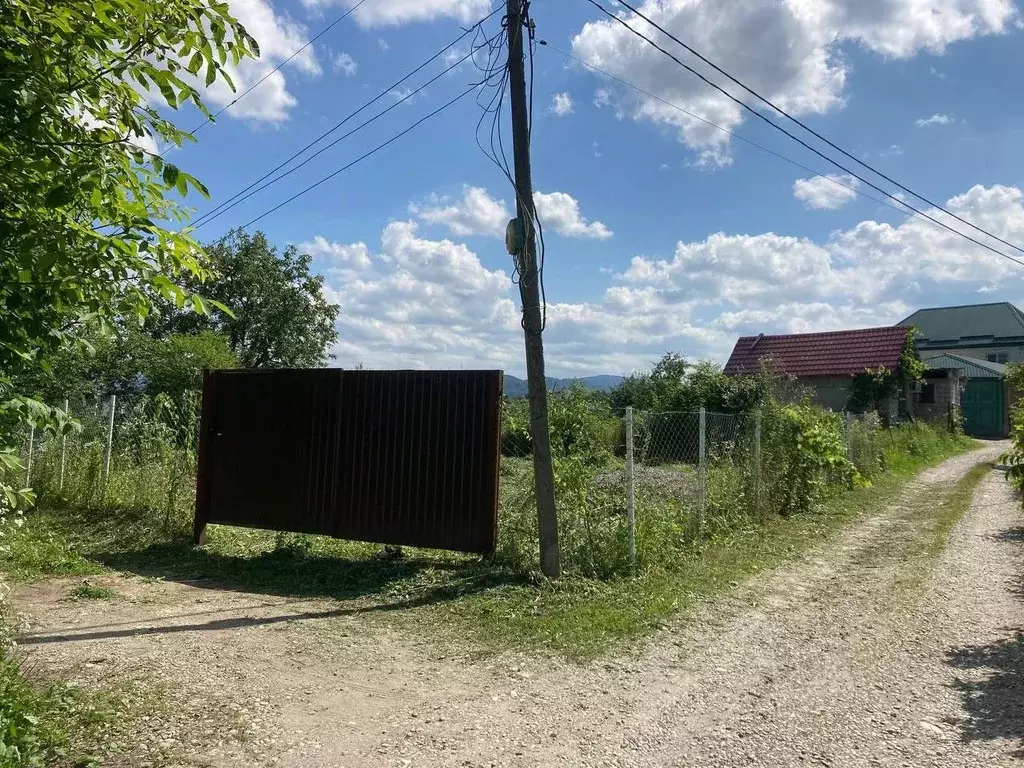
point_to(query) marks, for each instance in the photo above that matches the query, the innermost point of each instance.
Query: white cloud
(936, 119)
(478, 213)
(354, 256)
(345, 64)
(380, 13)
(859, 273)
(826, 192)
(278, 38)
(788, 50)
(432, 303)
(452, 55)
(562, 211)
(561, 104)
(383, 44)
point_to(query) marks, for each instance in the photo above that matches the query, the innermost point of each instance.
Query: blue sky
(662, 233)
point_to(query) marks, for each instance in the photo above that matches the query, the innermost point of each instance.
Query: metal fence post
(757, 464)
(630, 498)
(110, 444)
(63, 447)
(702, 470)
(849, 436)
(31, 450)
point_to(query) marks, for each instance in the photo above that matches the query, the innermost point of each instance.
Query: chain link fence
(134, 452)
(639, 488)
(633, 488)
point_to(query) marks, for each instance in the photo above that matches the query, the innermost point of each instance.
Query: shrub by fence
(691, 476)
(804, 455)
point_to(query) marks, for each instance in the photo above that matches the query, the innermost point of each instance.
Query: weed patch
(91, 592)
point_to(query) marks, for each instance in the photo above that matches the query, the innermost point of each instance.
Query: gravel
(829, 661)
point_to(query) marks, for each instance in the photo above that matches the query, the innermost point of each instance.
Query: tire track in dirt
(814, 663)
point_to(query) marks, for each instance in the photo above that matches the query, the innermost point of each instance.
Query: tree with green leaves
(675, 384)
(88, 216)
(280, 317)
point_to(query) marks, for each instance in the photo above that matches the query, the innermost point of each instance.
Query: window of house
(927, 396)
(998, 357)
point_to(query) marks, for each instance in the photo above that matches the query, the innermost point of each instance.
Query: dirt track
(856, 655)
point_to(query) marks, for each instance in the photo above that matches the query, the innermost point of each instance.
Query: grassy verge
(53, 724)
(581, 619)
(462, 598)
(932, 528)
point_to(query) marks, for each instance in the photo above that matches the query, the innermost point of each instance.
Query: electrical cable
(493, 107)
(263, 79)
(362, 157)
(213, 213)
(240, 198)
(731, 133)
(800, 141)
(803, 125)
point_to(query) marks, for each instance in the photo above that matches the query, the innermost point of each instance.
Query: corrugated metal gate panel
(397, 457)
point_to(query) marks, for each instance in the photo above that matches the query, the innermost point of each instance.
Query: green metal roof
(974, 369)
(969, 324)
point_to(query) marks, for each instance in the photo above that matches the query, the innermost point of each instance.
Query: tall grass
(807, 457)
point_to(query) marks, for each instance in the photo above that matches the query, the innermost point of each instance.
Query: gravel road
(863, 653)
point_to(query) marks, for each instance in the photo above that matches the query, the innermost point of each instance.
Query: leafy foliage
(875, 387)
(80, 226)
(677, 385)
(83, 208)
(806, 452)
(279, 316)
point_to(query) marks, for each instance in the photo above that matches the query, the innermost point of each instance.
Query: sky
(670, 221)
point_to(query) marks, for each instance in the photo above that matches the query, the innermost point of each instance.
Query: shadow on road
(392, 581)
(994, 702)
(107, 632)
(992, 688)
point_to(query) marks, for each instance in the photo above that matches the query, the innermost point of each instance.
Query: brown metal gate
(396, 457)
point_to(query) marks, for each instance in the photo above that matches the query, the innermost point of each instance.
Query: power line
(806, 127)
(362, 157)
(241, 197)
(731, 133)
(267, 76)
(800, 141)
(237, 197)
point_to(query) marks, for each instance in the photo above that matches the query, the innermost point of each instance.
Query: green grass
(92, 592)
(934, 526)
(581, 618)
(53, 724)
(492, 605)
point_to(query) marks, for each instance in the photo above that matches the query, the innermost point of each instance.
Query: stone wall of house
(947, 393)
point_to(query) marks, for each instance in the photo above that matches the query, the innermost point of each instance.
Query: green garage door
(983, 407)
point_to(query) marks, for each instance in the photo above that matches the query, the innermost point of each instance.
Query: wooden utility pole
(529, 291)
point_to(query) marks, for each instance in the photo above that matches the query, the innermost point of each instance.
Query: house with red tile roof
(824, 362)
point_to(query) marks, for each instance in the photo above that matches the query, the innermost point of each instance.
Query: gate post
(630, 500)
(702, 471)
(204, 460)
(757, 465)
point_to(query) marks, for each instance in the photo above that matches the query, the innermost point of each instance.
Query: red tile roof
(837, 353)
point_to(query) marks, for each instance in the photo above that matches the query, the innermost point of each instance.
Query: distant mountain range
(516, 387)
